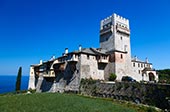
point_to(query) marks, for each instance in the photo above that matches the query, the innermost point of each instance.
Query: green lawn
(54, 102)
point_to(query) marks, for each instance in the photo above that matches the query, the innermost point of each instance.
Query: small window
(121, 38)
(133, 64)
(88, 56)
(141, 65)
(138, 65)
(77, 71)
(121, 56)
(139, 71)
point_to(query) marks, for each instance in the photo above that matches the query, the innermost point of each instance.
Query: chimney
(80, 48)
(66, 50)
(136, 58)
(41, 61)
(52, 57)
(146, 60)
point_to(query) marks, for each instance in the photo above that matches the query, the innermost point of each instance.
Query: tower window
(121, 56)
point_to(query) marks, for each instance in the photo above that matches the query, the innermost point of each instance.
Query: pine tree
(18, 80)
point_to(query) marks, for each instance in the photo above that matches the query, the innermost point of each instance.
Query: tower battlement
(114, 20)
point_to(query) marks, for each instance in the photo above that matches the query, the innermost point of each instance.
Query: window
(121, 56)
(138, 65)
(139, 71)
(125, 48)
(133, 64)
(88, 56)
(121, 38)
(77, 71)
(141, 65)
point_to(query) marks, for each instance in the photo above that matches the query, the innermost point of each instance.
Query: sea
(7, 83)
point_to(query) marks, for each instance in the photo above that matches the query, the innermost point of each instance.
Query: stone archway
(151, 77)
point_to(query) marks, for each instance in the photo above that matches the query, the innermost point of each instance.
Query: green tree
(164, 75)
(18, 80)
(112, 77)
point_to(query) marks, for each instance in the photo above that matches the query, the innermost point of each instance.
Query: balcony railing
(73, 58)
(123, 30)
(105, 30)
(102, 59)
(49, 74)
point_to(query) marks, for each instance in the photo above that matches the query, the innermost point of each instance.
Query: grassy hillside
(49, 102)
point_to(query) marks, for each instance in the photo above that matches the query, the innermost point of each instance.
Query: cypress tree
(18, 80)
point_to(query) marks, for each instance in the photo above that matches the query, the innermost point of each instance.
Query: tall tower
(115, 38)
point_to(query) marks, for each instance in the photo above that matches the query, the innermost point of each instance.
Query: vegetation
(18, 80)
(112, 77)
(50, 102)
(88, 81)
(164, 76)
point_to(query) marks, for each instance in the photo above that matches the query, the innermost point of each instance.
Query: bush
(112, 77)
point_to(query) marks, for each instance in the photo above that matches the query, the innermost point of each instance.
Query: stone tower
(115, 38)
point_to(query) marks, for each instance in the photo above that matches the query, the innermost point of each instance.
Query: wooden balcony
(73, 58)
(123, 30)
(103, 59)
(49, 74)
(106, 30)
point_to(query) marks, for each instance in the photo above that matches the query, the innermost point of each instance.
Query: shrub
(112, 77)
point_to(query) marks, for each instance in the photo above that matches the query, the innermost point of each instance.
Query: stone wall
(67, 80)
(89, 67)
(152, 94)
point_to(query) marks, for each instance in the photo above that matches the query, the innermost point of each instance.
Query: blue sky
(31, 30)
